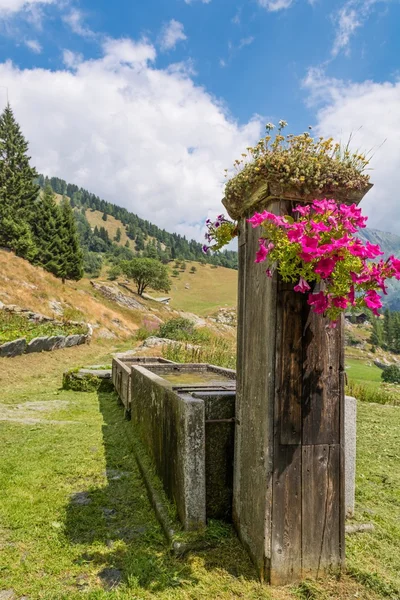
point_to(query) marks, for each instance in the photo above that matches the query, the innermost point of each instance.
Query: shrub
(391, 374)
(177, 329)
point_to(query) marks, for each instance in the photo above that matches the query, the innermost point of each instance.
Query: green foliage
(175, 273)
(177, 329)
(104, 217)
(92, 263)
(193, 270)
(18, 189)
(14, 326)
(369, 393)
(117, 237)
(71, 264)
(386, 333)
(146, 272)
(114, 273)
(217, 351)
(47, 229)
(301, 162)
(391, 374)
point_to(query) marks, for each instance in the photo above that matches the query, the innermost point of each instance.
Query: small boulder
(74, 340)
(14, 348)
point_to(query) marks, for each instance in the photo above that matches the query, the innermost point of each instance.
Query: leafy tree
(114, 272)
(118, 235)
(147, 272)
(72, 261)
(175, 272)
(193, 270)
(127, 244)
(104, 217)
(18, 188)
(92, 263)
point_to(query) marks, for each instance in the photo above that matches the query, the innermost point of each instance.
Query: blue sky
(145, 103)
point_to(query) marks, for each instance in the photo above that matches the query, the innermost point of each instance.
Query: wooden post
(288, 504)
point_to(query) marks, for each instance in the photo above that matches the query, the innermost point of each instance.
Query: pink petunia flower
(325, 267)
(373, 301)
(262, 252)
(302, 286)
(340, 302)
(319, 302)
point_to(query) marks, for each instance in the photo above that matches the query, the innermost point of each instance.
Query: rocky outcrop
(112, 293)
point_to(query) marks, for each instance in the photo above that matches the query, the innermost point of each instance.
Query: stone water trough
(184, 417)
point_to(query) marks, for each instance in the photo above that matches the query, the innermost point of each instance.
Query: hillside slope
(32, 287)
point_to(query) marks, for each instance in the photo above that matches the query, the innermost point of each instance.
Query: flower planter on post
(289, 504)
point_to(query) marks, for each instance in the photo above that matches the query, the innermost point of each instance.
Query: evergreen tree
(47, 229)
(118, 235)
(18, 188)
(72, 260)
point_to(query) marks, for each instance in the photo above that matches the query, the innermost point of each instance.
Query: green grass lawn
(74, 513)
(362, 373)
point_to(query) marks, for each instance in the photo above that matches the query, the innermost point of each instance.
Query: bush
(177, 329)
(391, 374)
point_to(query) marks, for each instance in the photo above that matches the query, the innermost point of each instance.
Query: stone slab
(350, 434)
(14, 348)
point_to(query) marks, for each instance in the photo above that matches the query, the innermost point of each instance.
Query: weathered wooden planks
(289, 477)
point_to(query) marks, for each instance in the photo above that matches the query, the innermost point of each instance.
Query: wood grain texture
(286, 546)
(320, 508)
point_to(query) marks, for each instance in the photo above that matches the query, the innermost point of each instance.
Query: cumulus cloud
(171, 34)
(275, 5)
(203, 1)
(34, 46)
(145, 138)
(369, 111)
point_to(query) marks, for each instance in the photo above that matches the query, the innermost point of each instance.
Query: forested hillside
(143, 236)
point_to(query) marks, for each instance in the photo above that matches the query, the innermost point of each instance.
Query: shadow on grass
(123, 540)
(116, 522)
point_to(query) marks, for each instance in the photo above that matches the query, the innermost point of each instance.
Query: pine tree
(47, 229)
(71, 266)
(18, 189)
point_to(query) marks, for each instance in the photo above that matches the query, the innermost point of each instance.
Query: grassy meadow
(75, 520)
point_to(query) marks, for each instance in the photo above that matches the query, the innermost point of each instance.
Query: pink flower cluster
(327, 251)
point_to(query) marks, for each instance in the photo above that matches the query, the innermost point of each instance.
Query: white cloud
(246, 42)
(348, 20)
(203, 1)
(8, 7)
(171, 34)
(145, 138)
(34, 46)
(75, 19)
(275, 5)
(370, 111)
(72, 59)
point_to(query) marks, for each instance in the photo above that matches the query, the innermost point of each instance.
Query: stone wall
(41, 344)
